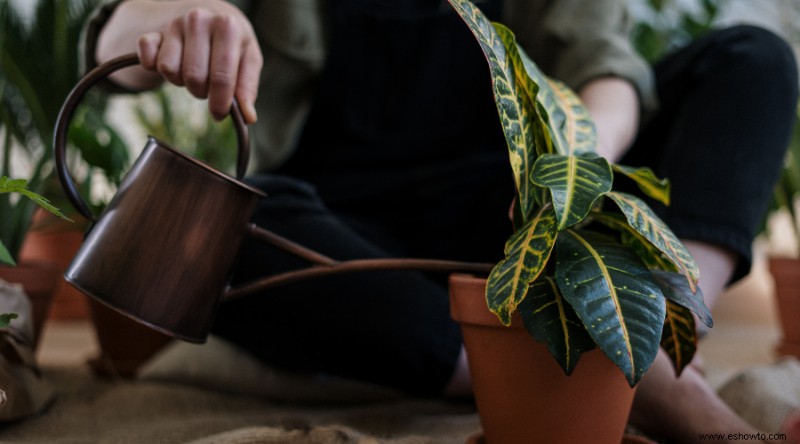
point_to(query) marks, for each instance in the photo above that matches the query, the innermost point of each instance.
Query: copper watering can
(164, 249)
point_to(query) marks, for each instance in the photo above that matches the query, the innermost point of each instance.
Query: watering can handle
(68, 111)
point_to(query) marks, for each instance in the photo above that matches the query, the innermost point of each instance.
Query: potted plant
(586, 267)
(38, 66)
(37, 282)
(785, 268)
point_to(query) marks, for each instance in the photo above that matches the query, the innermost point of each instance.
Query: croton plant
(586, 266)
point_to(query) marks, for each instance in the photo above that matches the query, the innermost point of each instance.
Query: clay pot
(786, 275)
(55, 241)
(522, 394)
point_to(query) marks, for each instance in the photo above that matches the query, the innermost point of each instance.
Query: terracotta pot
(522, 394)
(125, 344)
(39, 281)
(55, 241)
(786, 275)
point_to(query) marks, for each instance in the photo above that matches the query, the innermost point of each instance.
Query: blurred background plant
(663, 25)
(170, 114)
(39, 54)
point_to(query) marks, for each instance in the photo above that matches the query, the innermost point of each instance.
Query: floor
(745, 331)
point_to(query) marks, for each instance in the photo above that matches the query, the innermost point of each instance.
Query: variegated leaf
(614, 295)
(515, 97)
(652, 257)
(679, 339)
(569, 126)
(676, 289)
(573, 128)
(551, 320)
(526, 253)
(575, 184)
(646, 223)
(647, 181)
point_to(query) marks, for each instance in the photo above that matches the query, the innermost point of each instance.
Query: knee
(759, 55)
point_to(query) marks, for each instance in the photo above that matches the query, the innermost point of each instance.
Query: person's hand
(208, 46)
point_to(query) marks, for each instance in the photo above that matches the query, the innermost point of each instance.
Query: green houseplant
(586, 266)
(19, 186)
(38, 66)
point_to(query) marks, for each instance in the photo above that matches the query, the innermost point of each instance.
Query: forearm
(614, 106)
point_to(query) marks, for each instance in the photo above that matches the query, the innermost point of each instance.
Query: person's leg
(390, 328)
(720, 138)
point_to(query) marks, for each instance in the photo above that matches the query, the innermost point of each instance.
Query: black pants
(727, 107)
(720, 136)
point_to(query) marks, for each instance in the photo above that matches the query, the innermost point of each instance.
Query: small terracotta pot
(786, 276)
(55, 241)
(522, 394)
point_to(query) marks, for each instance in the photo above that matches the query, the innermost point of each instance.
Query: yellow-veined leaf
(679, 339)
(575, 184)
(645, 222)
(574, 130)
(674, 285)
(526, 253)
(647, 181)
(515, 97)
(614, 295)
(676, 289)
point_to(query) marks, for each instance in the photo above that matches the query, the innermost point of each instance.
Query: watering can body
(163, 250)
(174, 230)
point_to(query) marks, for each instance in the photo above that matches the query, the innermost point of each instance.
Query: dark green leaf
(679, 339)
(646, 223)
(551, 320)
(676, 289)
(526, 255)
(652, 257)
(615, 296)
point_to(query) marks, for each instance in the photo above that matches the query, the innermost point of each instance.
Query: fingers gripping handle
(68, 111)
